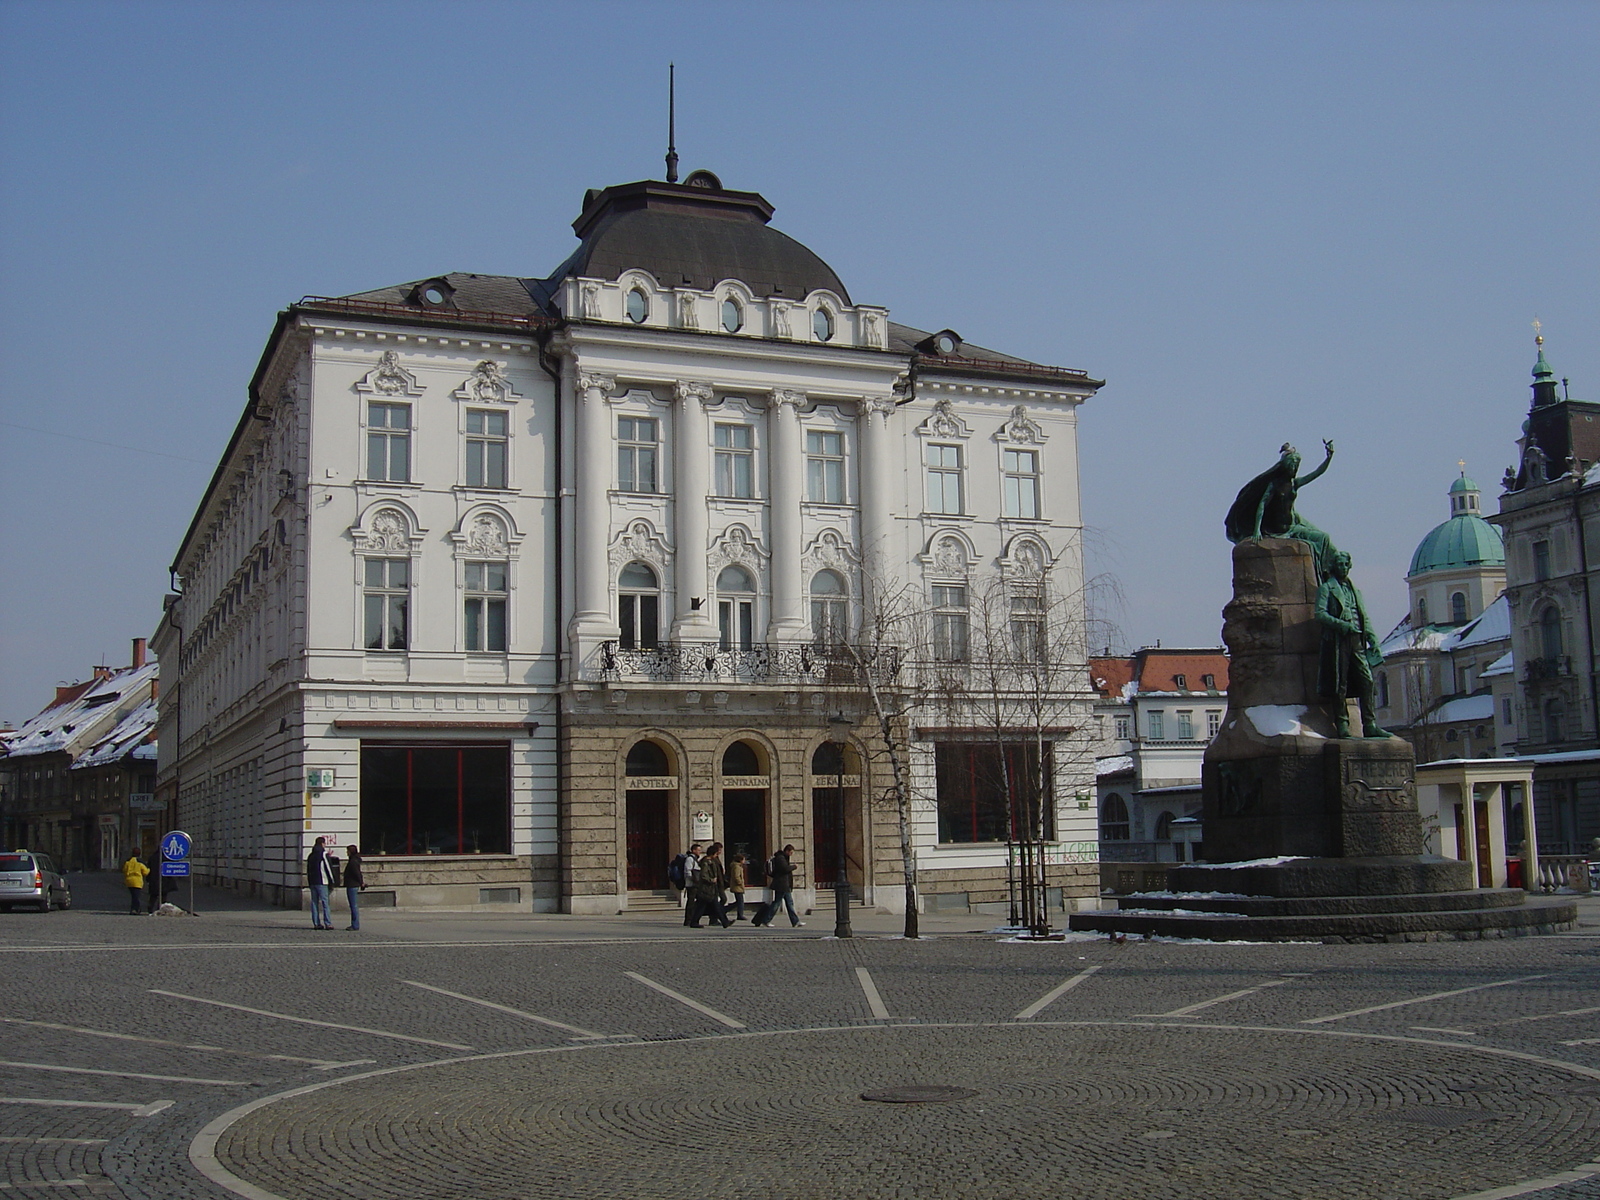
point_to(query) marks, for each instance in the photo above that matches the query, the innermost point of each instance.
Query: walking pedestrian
(736, 885)
(691, 904)
(709, 884)
(780, 878)
(133, 873)
(354, 884)
(321, 877)
(154, 883)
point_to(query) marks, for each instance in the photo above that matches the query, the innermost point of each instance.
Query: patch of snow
(1183, 912)
(1279, 720)
(1112, 765)
(1189, 896)
(1254, 862)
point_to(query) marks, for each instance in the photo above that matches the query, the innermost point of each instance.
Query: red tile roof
(1159, 669)
(1108, 676)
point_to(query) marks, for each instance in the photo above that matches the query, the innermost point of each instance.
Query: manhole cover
(919, 1094)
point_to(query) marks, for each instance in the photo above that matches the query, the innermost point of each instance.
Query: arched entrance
(836, 815)
(746, 785)
(652, 780)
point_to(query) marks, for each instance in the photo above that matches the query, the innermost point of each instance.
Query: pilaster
(787, 467)
(691, 485)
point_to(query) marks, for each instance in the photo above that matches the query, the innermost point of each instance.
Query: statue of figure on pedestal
(1349, 649)
(1265, 507)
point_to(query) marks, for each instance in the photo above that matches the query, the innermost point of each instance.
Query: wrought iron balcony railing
(1548, 668)
(708, 662)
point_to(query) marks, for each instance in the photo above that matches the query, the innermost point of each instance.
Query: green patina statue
(1265, 507)
(1349, 649)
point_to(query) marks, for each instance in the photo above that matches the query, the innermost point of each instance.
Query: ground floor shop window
(990, 793)
(435, 799)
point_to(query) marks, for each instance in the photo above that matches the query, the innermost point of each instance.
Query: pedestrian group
(707, 883)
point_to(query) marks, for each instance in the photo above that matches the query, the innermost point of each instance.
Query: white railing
(1557, 871)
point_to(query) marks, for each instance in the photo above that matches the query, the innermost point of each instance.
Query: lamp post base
(841, 911)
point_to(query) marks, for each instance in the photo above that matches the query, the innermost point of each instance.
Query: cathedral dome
(1465, 540)
(693, 234)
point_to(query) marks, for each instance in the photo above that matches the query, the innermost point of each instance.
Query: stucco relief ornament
(780, 319)
(486, 536)
(389, 378)
(942, 422)
(782, 396)
(1028, 561)
(690, 389)
(640, 542)
(950, 556)
(871, 330)
(486, 384)
(1021, 428)
(591, 301)
(736, 547)
(588, 380)
(688, 317)
(388, 530)
(829, 550)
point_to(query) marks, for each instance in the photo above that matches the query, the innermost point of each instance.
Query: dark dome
(692, 235)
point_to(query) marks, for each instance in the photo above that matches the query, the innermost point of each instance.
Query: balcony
(708, 663)
(1547, 668)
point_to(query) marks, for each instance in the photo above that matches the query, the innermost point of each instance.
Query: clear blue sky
(1258, 222)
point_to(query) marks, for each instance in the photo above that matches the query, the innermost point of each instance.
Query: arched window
(741, 758)
(1554, 712)
(828, 759)
(1550, 632)
(647, 758)
(639, 607)
(1383, 689)
(1422, 610)
(1114, 819)
(1164, 827)
(1458, 607)
(830, 609)
(736, 609)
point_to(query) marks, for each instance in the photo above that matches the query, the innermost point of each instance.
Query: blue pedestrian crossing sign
(175, 847)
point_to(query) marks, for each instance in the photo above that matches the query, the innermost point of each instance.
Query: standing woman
(736, 884)
(354, 884)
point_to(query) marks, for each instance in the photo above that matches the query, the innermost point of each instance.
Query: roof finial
(1538, 338)
(1462, 463)
(672, 123)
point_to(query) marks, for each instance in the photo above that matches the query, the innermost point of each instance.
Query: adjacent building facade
(522, 584)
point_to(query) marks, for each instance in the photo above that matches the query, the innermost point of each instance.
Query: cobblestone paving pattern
(1172, 1070)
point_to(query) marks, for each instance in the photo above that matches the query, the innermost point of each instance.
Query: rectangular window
(735, 461)
(944, 479)
(988, 793)
(824, 467)
(736, 624)
(1122, 729)
(1541, 560)
(1027, 627)
(640, 615)
(389, 442)
(1021, 498)
(1185, 726)
(637, 441)
(486, 448)
(486, 605)
(435, 799)
(1213, 722)
(1157, 725)
(949, 623)
(387, 597)
(1505, 710)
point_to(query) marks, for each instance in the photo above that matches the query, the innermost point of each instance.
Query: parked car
(32, 879)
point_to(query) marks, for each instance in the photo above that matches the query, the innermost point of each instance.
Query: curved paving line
(203, 1149)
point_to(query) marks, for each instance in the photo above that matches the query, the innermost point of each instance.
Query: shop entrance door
(647, 841)
(744, 829)
(825, 838)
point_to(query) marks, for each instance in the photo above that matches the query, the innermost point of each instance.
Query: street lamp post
(839, 735)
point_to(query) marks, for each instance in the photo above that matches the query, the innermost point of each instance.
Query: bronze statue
(1265, 507)
(1349, 650)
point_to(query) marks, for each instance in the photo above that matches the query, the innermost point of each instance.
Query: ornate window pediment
(1026, 558)
(949, 555)
(829, 551)
(389, 378)
(735, 546)
(641, 542)
(487, 385)
(943, 422)
(485, 533)
(386, 529)
(1021, 429)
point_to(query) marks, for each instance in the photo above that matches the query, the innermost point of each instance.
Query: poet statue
(1349, 649)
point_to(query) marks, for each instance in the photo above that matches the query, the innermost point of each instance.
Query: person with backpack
(780, 878)
(691, 867)
(709, 882)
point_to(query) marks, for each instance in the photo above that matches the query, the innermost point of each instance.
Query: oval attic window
(638, 306)
(732, 315)
(822, 325)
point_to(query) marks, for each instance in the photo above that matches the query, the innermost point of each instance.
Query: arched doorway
(746, 785)
(651, 780)
(836, 814)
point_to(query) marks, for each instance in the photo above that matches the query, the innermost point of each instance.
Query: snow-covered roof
(133, 737)
(1493, 624)
(1403, 637)
(86, 718)
(1500, 666)
(1464, 708)
(1114, 765)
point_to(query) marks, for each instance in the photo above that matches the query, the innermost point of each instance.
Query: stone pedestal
(1307, 834)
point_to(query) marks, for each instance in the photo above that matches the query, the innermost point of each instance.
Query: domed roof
(692, 234)
(1465, 540)
(1463, 485)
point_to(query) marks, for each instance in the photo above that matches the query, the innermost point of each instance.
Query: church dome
(1465, 540)
(693, 234)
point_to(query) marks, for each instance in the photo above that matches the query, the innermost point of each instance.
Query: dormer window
(946, 341)
(1181, 682)
(1209, 682)
(822, 325)
(433, 293)
(638, 306)
(732, 315)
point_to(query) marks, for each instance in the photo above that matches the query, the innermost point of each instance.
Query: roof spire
(672, 123)
(1544, 376)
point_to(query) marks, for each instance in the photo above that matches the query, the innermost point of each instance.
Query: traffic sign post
(175, 848)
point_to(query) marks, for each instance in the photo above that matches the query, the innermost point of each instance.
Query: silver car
(32, 879)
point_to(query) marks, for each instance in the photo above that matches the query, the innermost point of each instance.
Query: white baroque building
(517, 583)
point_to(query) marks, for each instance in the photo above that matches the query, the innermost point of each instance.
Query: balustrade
(709, 662)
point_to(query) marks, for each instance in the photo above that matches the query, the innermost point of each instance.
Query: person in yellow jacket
(133, 873)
